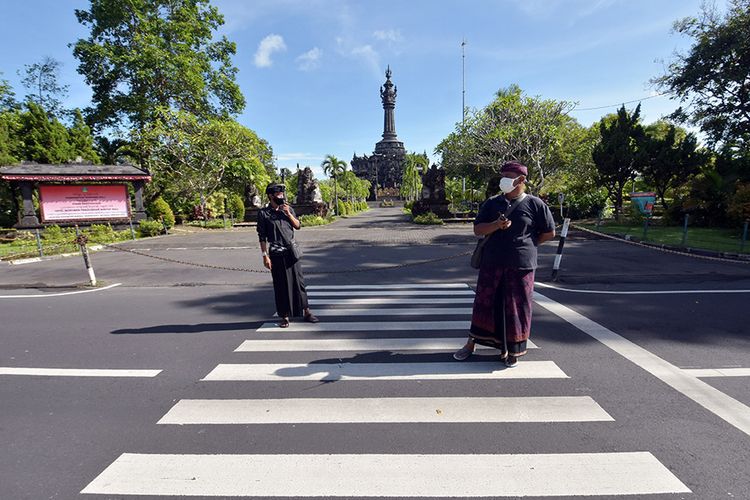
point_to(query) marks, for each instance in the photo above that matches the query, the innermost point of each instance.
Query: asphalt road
(631, 354)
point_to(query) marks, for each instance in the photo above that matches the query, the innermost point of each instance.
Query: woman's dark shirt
(275, 226)
(516, 246)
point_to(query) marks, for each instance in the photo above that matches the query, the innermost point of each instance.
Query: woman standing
(515, 223)
(276, 225)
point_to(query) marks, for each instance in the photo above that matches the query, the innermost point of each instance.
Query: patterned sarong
(501, 317)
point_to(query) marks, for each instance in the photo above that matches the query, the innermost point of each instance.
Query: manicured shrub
(236, 206)
(428, 219)
(314, 220)
(150, 228)
(159, 209)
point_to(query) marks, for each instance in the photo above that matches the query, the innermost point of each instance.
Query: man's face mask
(507, 185)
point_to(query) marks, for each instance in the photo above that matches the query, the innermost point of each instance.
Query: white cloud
(368, 56)
(388, 35)
(310, 59)
(267, 46)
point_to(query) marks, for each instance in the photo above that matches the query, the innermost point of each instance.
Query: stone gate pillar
(27, 217)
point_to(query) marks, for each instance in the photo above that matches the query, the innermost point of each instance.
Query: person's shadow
(374, 364)
(191, 328)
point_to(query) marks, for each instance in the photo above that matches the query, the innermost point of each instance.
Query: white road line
(717, 372)
(384, 371)
(715, 401)
(364, 345)
(390, 301)
(385, 410)
(636, 292)
(367, 326)
(389, 293)
(416, 286)
(396, 311)
(76, 372)
(228, 248)
(348, 476)
(177, 248)
(43, 295)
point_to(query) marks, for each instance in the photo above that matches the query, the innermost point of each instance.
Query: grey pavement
(60, 433)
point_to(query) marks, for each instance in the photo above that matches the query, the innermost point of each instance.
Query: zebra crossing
(363, 320)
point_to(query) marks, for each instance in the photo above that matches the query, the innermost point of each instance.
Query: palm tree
(333, 167)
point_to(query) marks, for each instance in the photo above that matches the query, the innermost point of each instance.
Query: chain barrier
(307, 272)
(660, 248)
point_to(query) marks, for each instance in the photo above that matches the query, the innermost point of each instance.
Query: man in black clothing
(276, 225)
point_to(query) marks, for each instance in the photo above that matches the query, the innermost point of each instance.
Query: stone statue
(309, 197)
(252, 196)
(308, 190)
(433, 194)
(433, 184)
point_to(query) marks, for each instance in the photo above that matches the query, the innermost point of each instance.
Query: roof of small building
(71, 172)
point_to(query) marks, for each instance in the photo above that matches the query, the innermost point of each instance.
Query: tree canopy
(148, 54)
(513, 126)
(193, 157)
(713, 78)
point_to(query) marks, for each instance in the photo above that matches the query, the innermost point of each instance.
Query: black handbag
(476, 257)
(281, 246)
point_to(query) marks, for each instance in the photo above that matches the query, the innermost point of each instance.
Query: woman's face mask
(507, 185)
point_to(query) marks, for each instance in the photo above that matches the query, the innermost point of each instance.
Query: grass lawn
(717, 239)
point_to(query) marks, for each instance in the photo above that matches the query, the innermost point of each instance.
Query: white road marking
(366, 345)
(407, 475)
(43, 295)
(177, 248)
(636, 292)
(417, 286)
(396, 311)
(366, 326)
(389, 293)
(715, 401)
(77, 372)
(717, 372)
(389, 301)
(384, 371)
(228, 248)
(385, 410)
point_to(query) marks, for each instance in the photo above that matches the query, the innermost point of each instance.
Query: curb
(19, 262)
(685, 251)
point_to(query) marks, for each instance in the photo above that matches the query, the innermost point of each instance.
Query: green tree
(577, 176)
(713, 78)
(7, 96)
(512, 127)
(81, 140)
(10, 144)
(333, 167)
(41, 80)
(43, 139)
(619, 155)
(411, 182)
(193, 157)
(110, 151)
(144, 54)
(672, 158)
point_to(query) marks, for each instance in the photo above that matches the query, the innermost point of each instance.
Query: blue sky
(311, 69)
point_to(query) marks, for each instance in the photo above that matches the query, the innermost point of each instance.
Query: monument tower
(384, 168)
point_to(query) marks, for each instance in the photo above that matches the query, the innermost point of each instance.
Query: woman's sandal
(284, 323)
(311, 318)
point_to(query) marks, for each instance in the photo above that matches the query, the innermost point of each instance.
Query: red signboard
(79, 203)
